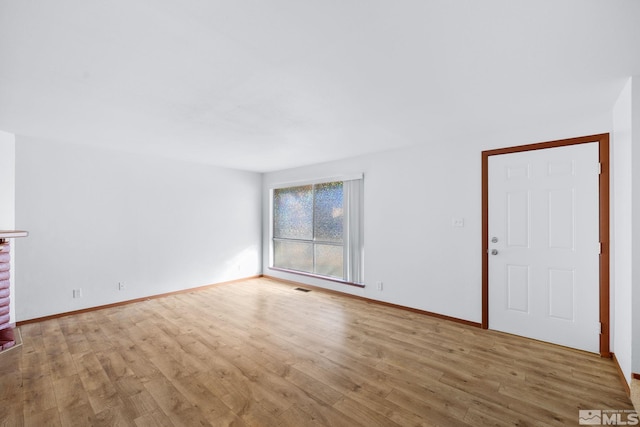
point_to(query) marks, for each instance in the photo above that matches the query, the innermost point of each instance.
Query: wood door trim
(604, 196)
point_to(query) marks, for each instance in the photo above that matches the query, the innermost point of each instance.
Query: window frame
(346, 241)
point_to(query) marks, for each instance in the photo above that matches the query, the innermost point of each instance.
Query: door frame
(604, 226)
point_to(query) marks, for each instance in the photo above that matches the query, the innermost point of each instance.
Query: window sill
(317, 276)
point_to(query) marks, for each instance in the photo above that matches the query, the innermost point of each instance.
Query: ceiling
(265, 85)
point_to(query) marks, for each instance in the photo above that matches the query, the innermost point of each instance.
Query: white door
(544, 245)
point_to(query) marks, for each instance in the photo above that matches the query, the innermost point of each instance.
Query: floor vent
(302, 290)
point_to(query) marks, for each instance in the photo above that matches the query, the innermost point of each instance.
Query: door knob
(494, 252)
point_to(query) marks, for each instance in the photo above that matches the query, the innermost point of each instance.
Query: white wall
(411, 196)
(626, 196)
(622, 244)
(99, 217)
(7, 202)
(635, 110)
(409, 241)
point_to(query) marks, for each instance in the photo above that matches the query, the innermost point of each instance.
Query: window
(317, 229)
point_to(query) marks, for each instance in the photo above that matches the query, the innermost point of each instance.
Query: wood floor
(259, 353)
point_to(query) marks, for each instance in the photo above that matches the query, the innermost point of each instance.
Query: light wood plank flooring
(259, 353)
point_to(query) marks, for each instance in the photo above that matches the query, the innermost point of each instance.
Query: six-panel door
(544, 245)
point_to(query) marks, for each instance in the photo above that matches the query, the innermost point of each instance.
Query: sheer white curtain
(353, 193)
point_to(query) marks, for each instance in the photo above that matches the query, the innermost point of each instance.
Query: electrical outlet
(379, 286)
(77, 293)
(121, 286)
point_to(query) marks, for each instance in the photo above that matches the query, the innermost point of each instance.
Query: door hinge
(599, 168)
